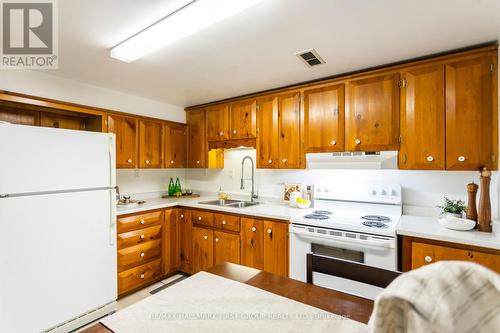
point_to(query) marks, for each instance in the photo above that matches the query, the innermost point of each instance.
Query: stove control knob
(374, 192)
(383, 192)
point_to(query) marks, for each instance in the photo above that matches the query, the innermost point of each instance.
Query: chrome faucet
(242, 187)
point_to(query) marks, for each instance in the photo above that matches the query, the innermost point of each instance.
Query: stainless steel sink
(243, 204)
(229, 203)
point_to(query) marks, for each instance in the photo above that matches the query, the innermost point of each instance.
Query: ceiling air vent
(310, 57)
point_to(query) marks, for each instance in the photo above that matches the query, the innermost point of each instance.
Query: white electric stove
(354, 223)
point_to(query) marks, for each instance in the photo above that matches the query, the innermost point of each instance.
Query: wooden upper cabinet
(150, 144)
(217, 123)
(471, 113)
(227, 247)
(203, 249)
(268, 135)
(196, 139)
(243, 117)
(289, 131)
(324, 119)
(276, 247)
(423, 119)
(372, 116)
(175, 143)
(126, 130)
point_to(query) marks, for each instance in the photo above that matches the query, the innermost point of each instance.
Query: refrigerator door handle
(112, 218)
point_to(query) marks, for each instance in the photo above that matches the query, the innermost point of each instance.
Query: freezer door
(56, 258)
(37, 159)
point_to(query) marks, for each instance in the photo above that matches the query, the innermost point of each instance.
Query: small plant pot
(454, 215)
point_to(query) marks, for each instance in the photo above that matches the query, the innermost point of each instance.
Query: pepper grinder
(471, 213)
(484, 218)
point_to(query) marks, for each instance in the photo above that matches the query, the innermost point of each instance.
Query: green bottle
(178, 189)
(171, 188)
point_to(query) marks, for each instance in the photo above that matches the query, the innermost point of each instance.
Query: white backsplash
(147, 180)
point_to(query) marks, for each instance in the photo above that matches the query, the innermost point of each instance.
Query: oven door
(377, 251)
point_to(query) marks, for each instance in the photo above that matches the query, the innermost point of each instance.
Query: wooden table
(353, 307)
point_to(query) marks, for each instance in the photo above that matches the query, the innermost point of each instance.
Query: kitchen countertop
(429, 228)
(271, 210)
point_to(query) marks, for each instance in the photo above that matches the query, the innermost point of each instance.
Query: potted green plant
(453, 207)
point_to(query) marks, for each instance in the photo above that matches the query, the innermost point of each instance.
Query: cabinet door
(267, 133)
(324, 119)
(276, 247)
(471, 114)
(243, 120)
(252, 243)
(171, 244)
(289, 131)
(150, 144)
(126, 130)
(218, 123)
(196, 139)
(227, 247)
(203, 249)
(422, 119)
(175, 146)
(372, 118)
(185, 241)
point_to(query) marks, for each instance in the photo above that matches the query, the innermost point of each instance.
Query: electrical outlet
(137, 173)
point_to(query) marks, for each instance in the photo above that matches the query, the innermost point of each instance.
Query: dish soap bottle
(177, 188)
(171, 188)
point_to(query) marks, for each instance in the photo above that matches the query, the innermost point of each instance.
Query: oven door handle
(388, 243)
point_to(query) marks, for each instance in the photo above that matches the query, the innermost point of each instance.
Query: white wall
(147, 181)
(424, 189)
(54, 87)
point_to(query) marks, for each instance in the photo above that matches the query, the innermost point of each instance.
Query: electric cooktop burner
(322, 212)
(375, 224)
(316, 216)
(376, 218)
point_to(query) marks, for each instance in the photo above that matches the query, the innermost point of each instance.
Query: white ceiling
(254, 50)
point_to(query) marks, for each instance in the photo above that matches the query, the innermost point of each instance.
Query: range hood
(353, 160)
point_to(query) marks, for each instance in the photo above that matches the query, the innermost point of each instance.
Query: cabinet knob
(269, 231)
(147, 161)
(428, 258)
(358, 141)
(142, 254)
(197, 162)
(182, 216)
(461, 158)
(142, 221)
(216, 240)
(270, 161)
(333, 142)
(142, 276)
(171, 162)
(221, 133)
(283, 160)
(199, 218)
(129, 160)
(234, 132)
(142, 236)
(205, 237)
(254, 229)
(430, 158)
(224, 222)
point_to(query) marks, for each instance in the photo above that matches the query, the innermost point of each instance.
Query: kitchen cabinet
(196, 139)
(419, 252)
(140, 276)
(55, 120)
(227, 247)
(252, 243)
(471, 113)
(372, 116)
(18, 116)
(243, 119)
(150, 144)
(324, 119)
(203, 248)
(171, 244)
(126, 130)
(217, 122)
(423, 119)
(268, 134)
(185, 240)
(175, 143)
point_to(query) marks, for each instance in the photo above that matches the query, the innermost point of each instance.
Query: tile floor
(138, 295)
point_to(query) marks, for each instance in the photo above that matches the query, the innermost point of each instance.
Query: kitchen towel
(206, 302)
(448, 296)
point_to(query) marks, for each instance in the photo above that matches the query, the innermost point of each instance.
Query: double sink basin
(229, 203)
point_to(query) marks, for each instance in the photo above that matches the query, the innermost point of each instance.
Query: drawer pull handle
(199, 218)
(129, 161)
(142, 221)
(269, 231)
(461, 158)
(172, 162)
(234, 132)
(254, 229)
(142, 254)
(334, 142)
(197, 162)
(358, 141)
(428, 258)
(283, 160)
(224, 222)
(182, 216)
(216, 240)
(142, 276)
(205, 237)
(147, 161)
(221, 133)
(270, 161)
(142, 236)
(430, 158)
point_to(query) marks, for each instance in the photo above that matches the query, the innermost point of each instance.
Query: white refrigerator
(57, 228)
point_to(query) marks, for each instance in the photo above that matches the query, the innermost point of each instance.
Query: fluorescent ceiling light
(192, 17)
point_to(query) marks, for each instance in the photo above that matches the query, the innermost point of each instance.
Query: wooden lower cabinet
(419, 252)
(203, 248)
(185, 241)
(139, 276)
(226, 247)
(171, 244)
(252, 243)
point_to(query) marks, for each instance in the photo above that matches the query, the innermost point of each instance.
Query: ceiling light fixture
(191, 17)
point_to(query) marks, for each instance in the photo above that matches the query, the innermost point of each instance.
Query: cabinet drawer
(423, 254)
(139, 236)
(227, 222)
(138, 276)
(203, 218)
(138, 254)
(140, 221)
